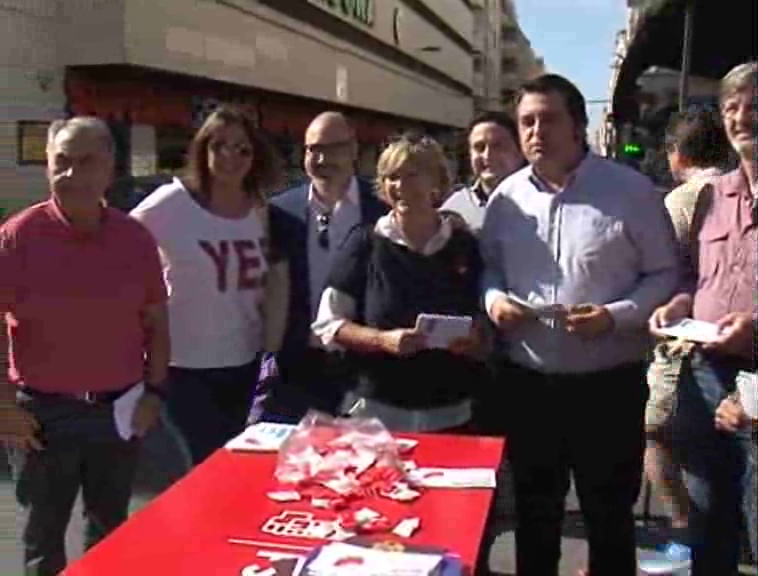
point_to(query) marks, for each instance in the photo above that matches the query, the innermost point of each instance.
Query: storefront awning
(723, 36)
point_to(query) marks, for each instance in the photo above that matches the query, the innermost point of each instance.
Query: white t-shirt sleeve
(335, 309)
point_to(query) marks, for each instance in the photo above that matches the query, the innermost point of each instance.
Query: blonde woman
(211, 231)
(412, 261)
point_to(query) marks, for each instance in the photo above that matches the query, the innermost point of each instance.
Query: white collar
(543, 186)
(350, 197)
(701, 173)
(388, 227)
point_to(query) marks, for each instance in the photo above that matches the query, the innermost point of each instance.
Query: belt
(106, 397)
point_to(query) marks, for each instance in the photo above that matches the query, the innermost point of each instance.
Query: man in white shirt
(308, 224)
(494, 154)
(578, 251)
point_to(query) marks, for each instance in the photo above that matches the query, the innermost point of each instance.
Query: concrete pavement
(161, 466)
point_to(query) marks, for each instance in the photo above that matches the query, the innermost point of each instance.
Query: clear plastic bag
(334, 452)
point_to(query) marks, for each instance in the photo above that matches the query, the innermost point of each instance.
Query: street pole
(684, 77)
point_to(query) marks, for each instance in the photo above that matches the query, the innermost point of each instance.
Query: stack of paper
(692, 330)
(442, 331)
(340, 559)
(261, 437)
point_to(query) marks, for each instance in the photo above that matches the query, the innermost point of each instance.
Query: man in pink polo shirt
(722, 290)
(82, 292)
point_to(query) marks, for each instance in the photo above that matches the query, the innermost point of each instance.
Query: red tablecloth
(186, 530)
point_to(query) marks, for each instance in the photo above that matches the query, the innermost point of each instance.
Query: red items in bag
(350, 458)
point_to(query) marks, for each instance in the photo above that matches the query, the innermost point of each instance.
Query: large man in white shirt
(587, 246)
(308, 223)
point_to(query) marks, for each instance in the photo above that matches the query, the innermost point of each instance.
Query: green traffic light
(633, 149)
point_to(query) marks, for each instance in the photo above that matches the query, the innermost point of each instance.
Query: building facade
(503, 56)
(154, 68)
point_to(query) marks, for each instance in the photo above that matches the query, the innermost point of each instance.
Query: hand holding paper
(692, 330)
(444, 331)
(747, 386)
(124, 411)
(536, 308)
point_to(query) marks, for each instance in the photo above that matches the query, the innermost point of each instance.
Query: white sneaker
(672, 559)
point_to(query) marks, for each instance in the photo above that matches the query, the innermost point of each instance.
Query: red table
(186, 530)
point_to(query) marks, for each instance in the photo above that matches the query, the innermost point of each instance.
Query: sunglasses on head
(244, 150)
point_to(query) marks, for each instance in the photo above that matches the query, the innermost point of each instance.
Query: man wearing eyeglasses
(308, 224)
(720, 288)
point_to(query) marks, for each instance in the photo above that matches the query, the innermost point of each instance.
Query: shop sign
(32, 143)
(355, 11)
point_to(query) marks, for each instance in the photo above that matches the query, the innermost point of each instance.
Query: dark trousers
(209, 406)
(591, 426)
(310, 379)
(718, 472)
(82, 451)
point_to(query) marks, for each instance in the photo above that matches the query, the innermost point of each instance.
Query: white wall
(31, 88)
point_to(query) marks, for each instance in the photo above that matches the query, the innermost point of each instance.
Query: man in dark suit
(308, 224)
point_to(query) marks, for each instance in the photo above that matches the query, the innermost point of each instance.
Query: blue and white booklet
(261, 437)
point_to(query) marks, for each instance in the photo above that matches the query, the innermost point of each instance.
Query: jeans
(209, 406)
(716, 465)
(81, 451)
(591, 426)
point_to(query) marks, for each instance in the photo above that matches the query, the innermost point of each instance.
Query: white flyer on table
(341, 559)
(123, 410)
(692, 330)
(261, 437)
(453, 477)
(441, 331)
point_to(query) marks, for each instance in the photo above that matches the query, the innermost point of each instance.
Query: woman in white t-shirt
(211, 234)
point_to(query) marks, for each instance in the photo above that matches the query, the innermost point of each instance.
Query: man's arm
(498, 307)
(10, 269)
(652, 233)
(157, 343)
(7, 390)
(157, 356)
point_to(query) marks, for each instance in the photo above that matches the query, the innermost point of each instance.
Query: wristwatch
(156, 390)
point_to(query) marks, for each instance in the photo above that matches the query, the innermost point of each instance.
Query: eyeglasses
(243, 150)
(329, 148)
(322, 221)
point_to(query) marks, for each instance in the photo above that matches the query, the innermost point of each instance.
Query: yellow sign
(360, 11)
(32, 142)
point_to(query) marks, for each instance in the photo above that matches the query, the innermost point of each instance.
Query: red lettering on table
(247, 257)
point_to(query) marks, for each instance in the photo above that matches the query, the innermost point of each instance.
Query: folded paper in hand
(541, 310)
(747, 385)
(441, 331)
(692, 330)
(123, 410)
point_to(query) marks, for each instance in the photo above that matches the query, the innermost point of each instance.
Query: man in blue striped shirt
(579, 252)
